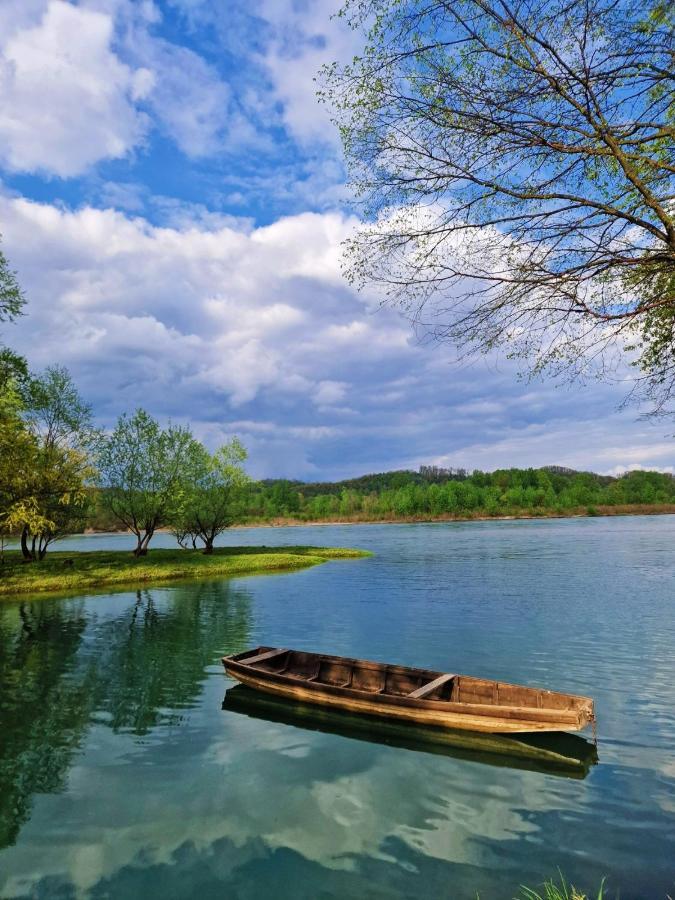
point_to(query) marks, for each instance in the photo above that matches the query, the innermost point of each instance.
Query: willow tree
(142, 469)
(61, 423)
(210, 490)
(19, 453)
(516, 163)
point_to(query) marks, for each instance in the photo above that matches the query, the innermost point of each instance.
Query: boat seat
(262, 657)
(429, 687)
(317, 672)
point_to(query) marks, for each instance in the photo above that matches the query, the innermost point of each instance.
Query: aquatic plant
(552, 890)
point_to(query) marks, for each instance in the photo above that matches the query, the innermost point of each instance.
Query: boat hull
(431, 713)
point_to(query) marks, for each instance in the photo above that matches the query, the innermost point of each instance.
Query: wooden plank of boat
(409, 694)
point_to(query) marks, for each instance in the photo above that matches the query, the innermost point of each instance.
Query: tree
(19, 453)
(13, 370)
(516, 163)
(12, 299)
(211, 484)
(143, 473)
(61, 425)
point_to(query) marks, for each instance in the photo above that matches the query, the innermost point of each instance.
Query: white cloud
(85, 83)
(189, 101)
(304, 37)
(67, 99)
(251, 330)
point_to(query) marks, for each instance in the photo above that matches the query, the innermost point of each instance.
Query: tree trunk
(25, 551)
(208, 545)
(42, 547)
(142, 548)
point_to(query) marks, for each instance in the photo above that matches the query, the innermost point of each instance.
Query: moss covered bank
(67, 571)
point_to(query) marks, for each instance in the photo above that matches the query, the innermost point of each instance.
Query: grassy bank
(66, 571)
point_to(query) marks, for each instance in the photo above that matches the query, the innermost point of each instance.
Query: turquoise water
(121, 775)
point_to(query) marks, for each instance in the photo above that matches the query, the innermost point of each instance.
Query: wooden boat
(552, 753)
(407, 694)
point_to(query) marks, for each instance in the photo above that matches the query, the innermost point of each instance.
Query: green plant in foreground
(551, 890)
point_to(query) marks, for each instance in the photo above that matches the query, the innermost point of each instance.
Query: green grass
(552, 890)
(67, 571)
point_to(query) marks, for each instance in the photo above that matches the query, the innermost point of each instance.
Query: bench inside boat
(401, 682)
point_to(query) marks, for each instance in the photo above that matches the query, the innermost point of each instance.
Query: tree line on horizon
(405, 494)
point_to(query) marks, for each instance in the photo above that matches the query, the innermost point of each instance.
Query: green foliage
(143, 470)
(13, 370)
(12, 299)
(60, 425)
(553, 890)
(456, 493)
(210, 487)
(19, 454)
(56, 412)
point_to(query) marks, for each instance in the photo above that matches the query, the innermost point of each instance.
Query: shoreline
(600, 511)
(77, 571)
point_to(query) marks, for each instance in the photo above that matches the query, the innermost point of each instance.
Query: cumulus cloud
(302, 39)
(67, 99)
(189, 100)
(252, 331)
(81, 84)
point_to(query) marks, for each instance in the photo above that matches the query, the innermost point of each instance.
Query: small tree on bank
(18, 457)
(143, 472)
(209, 493)
(45, 442)
(62, 426)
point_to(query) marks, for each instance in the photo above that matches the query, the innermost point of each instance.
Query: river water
(121, 775)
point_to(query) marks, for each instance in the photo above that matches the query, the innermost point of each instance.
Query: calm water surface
(122, 776)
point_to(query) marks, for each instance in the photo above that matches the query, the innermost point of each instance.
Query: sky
(173, 198)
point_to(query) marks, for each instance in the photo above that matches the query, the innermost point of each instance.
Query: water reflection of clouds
(261, 789)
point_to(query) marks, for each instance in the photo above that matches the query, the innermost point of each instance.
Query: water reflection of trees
(64, 665)
(151, 663)
(43, 705)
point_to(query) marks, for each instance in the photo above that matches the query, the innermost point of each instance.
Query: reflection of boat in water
(562, 754)
(407, 694)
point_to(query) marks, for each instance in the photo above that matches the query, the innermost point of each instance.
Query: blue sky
(172, 196)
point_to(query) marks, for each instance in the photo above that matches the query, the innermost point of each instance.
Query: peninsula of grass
(63, 572)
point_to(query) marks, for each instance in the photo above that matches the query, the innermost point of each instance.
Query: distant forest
(434, 492)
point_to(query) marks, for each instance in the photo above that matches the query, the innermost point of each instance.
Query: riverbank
(637, 509)
(67, 571)
(479, 515)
